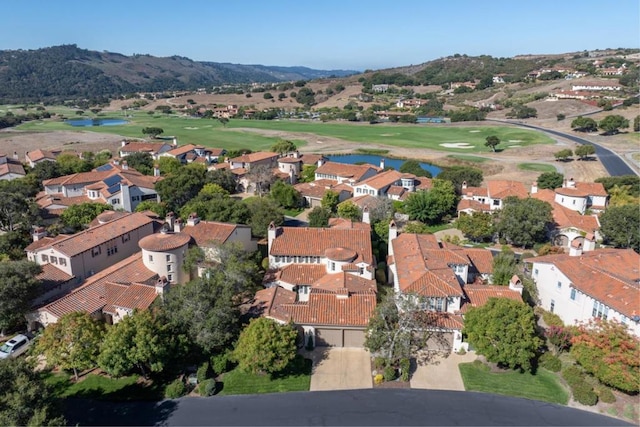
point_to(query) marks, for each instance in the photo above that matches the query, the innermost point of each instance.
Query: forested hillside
(68, 72)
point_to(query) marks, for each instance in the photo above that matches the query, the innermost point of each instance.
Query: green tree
(620, 226)
(563, 155)
(492, 142)
(17, 212)
(308, 173)
(459, 174)
(70, 163)
(620, 195)
(478, 226)
(523, 222)
(431, 206)
(142, 162)
(149, 205)
(613, 123)
(137, 341)
(522, 112)
(153, 132)
(584, 151)
(504, 267)
(46, 170)
(609, 352)
(504, 331)
(13, 244)
(285, 195)
(26, 400)
(18, 287)
(633, 181)
(224, 178)
(584, 124)
(413, 167)
(175, 190)
(223, 121)
(212, 190)
(265, 346)
(349, 210)
(550, 180)
(283, 146)
(79, 216)
(262, 212)
(169, 165)
(330, 201)
(319, 217)
(72, 343)
(636, 124)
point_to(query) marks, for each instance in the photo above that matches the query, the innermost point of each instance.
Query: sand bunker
(515, 140)
(387, 134)
(456, 145)
(191, 128)
(474, 131)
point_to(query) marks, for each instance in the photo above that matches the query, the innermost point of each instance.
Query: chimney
(589, 242)
(564, 183)
(576, 248)
(464, 185)
(382, 163)
(296, 154)
(125, 166)
(193, 219)
(156, 170)
(571, 183)
(272, 233)
(342, 293)
(292, 177)
(365, 215)
(116, 161)
(393, 234)
(175, 142)
(39, 233)
(177, 225)
(15, 155)
(170, 220)
(320, 161)
(534, 187)
(161, 286)
(515, 284)
(123, 143)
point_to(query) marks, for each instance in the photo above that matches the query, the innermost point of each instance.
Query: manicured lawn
(296, 378)
(237, 133)
(542, 386)
(100, 387)
(468, 158)
(536, 167)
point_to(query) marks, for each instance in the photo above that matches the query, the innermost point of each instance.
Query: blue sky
(324, 34)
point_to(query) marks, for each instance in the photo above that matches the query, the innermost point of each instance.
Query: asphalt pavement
(373, 407)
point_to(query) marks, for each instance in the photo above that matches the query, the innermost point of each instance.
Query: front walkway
(441, 373)
(336, 368)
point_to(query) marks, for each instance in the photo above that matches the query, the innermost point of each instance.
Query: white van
(14, 347)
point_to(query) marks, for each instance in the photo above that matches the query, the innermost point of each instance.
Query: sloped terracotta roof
(347, 223)
(346, 170)
(564, 217)
(315, 189)
(161, 242)
(611, 276)
(37, 155)
(45, 241)
(183, 149)
(475, 205)
(396, 190)
(475, 191)
(289, 160)
(362, 201)
(204, 233)
(383, 179)
(326, 308)
(500, 189)
(79, 178)
(301, 274)
(478, 295)
(269, 302)
(136, 296)
(143, 147)
(311, 159)
(315, 241)
(254, 157)
(11, 167)
(51, 277)
(344, 280)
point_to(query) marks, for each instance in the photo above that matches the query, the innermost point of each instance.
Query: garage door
(328, 337)
(353, 338)
(441, 342)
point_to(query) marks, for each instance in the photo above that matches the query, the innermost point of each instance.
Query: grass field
(468, 158)
(542, 386)
(296, 378)
(536, 167)
(211, 133)
(99, 387)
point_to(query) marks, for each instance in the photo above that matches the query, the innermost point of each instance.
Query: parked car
(15, 347)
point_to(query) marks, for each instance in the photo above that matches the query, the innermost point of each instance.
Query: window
(573, 294)
(115, 201)
(168, 258)
(112, 250)
(45, 258)
(169, 267)
(600, 310)
(535, 272)
(170, 277)
(439, 304)
(496, 202)
(278, 258)
(54, 260)
(126, 237)
(623, 320)
(361, 270)
(96, 251)
(150, 258)
(552, 306)
(333, 266)
(559, 285)
(63, 261)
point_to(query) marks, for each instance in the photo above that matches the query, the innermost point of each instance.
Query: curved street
(612, 162)
(373, 407)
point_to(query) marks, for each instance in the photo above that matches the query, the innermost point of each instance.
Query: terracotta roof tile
(183, 149)
(304, 241)
(478, 295)
(254, 157)
(37, 155)
(347, 223)
(45, 241)
(475, 205)
(52, 276)
(136, 296)
(11, 167)
(326, 308)
(500, 189)
(345, 170)
(204, 233)
(351, 282)
(161, 242)
(144, 147)
(383, 179)
(301, 274)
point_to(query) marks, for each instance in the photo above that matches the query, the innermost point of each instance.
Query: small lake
(375, 160)
(95, 122)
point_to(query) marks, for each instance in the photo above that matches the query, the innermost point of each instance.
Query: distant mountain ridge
(67, 72)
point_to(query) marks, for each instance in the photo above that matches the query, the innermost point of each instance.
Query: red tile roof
(161, 242)
(478, 295)
(500, 189)
(45, 241)
(37, 155)
(183, 149)
(611, 276)
(143, 147)
(52, 276)
(384, 179)
(205, 233)
(475, 205)
(136, 296)
(345, 170)
(347, 223)
(326, 308)
(11, 167)
(254, 157)
(301, 274)
(564, 217)
(344, 280)
(304, 241)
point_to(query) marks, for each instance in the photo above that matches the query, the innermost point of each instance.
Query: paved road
(389, 407)
(613, 163)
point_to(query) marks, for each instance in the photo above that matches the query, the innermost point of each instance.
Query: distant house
(380, 88)
(392, 184)
(39, 156)
(491, 197)
(10, 168)
(345, 173)
(313, 192)
(596, 86)
(154, 149)
(260, 158)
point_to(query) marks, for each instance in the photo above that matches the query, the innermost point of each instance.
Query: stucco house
(10, 168)
(344, 173)
(590, 283)
(38, 156)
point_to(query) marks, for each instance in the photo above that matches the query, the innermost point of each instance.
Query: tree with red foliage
(608, 351)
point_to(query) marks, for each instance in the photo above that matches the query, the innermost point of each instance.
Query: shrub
(379, 363)
(203, 373)
(551, 319)
(605, 394)
(389, 373)
(559, 337)
(462, 351)
(583, 393)
(481, 366)
(221, 363)
(207, 387)
(378, 379)
(405, 368)
(550, 362)
(572, 375)
(175, 389)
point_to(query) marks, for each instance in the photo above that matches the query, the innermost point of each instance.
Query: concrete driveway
(441, 373)
(336, 368)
